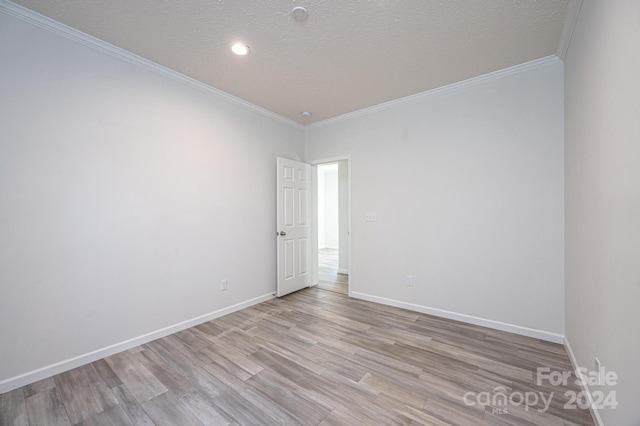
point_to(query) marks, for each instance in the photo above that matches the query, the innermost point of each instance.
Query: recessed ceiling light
(305, 114)
(240, 49)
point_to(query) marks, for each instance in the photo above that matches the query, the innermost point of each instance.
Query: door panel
(288, 259)
(294, 230)
(287, 220)
(303, 265)
(303, 213)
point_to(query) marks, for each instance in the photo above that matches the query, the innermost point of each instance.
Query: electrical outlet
(598, 372)
(409, 280)
(370, 217)
(223, 285)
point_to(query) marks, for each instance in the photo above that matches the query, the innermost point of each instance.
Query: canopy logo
(501, 398)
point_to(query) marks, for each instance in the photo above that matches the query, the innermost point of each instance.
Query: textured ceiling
(346, 56)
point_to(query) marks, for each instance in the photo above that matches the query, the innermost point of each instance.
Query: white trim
(330, 160)
(439, 90)
(66, 365)
(343, 271)
(470, 319)
(61, 29)
(592, 408)
(570, 20)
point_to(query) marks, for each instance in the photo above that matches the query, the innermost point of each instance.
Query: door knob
(282, 233)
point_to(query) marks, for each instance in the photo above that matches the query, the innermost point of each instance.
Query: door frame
(314, 217)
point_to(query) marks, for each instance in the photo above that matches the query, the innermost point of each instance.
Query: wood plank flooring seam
(313, 357)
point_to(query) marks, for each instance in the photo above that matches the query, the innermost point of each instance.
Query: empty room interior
(319, 212)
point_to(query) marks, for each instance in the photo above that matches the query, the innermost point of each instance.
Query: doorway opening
(332, 236)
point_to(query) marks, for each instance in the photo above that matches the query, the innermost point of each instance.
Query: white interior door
(294, 226)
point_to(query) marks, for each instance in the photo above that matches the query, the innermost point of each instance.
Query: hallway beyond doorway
(328, 276)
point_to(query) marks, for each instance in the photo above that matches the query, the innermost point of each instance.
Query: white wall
(343, 196)
(467, 185)
(332, 223)
(125, 197)
(603, 197)
(320, 200)
(328, 212)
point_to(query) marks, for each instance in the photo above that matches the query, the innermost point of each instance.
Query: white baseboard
(66, 365)
(343, 271)
(592, 408)
(497, 325)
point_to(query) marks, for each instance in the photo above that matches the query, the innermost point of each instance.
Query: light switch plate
(370, 217)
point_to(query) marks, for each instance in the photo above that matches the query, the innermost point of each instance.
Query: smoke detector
(299, 13)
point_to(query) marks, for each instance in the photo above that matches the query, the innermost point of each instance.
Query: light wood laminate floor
(312, 357)
(328, 276)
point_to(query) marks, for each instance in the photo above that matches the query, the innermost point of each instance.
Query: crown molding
(570, 20)
(516, 69)
(27, 15)
(68, 32)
